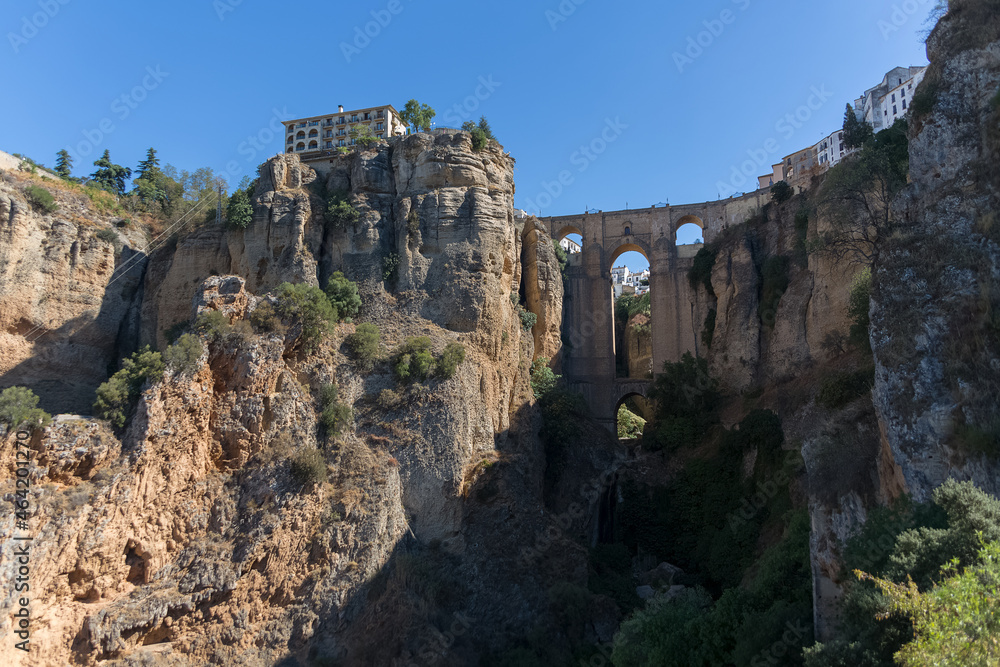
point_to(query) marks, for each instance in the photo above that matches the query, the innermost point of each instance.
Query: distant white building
(890, 100)
(570, 246)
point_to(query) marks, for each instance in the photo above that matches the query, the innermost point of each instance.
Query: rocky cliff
(934, 327)
(188, 539)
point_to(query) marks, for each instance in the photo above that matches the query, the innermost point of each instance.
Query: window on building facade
(904, 105)
(329, 144)
(300, 147)
(313, 133)
(313, 144)
(894, 112)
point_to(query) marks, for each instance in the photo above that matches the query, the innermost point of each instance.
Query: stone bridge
(677, 310)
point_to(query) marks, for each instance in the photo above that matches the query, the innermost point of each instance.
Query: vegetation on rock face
(335, 416)
(364, 344)
(781, 192)
(701, 271)
(686, 399)
(116, 398)
(857, 131)
(182, 357)
(19, 408)
(308, 467)
(708, 331)
(482, 135)
(415, 362)
(239, 212)
(883, 614)
(858, 193)
(543, 379)
(628, 306)
(212, 324)
(64, 164)
(41, 199)
(858, 309)
(839, 389)
(528, 318)
(309, 308)
(343, 295)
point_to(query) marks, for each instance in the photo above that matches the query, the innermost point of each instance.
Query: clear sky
(627, 104)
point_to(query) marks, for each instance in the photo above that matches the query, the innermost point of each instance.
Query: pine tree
(856, 132)
(149, 181)
(64, 163)
(110, 176)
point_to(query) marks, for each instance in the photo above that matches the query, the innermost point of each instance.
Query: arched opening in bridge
(570, 239)
(690, 230)
(632, 312)
(631, 416)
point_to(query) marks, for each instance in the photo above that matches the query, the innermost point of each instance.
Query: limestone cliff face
(189, 540)
(938, 366)
(67, 298)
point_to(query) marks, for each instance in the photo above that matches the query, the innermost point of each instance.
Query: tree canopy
(418, 115)
(110, 176)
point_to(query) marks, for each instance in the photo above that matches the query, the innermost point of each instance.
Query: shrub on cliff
(334, 416)
(414, 360)
(19, 407)
(239, 212)
(364, 344)
(858, 308)
(543, 380)
(308, 467)
(447, 364)
(528, 318)
(41, 199)
(781, 192)
(309, 308)
(343, 295)
(774, 283)
(182, 357)
(117, 397)
(339, 213)
(212, 324)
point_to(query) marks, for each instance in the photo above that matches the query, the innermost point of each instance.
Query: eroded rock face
(933, 382)
(68, 299)
(187, 539)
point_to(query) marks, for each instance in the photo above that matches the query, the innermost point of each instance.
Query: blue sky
(626, 105)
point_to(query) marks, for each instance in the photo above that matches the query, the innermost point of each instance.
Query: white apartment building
(570, 246)
(889, 101)
(318, 136)
(880, 106)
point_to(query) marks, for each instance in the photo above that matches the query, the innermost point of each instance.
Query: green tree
(239, 212)
(364, 344)
(857, 132)
(19, 407)
(543, 379)
(414, 360)
(340, 214)
(182, 357)
(335, 416)
(149, 184)
(858, 193)
(858, 309)
(310, 309)
(343, 295)
(110, 176)
(117, 397)
(363, 136)
(481, 133)
(449, 361)
(955, 623)
(417, 115)
(630, 425)
(64, 164)
(781, 192)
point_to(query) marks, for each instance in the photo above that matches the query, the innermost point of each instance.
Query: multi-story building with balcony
(889, 101)
(319, 137)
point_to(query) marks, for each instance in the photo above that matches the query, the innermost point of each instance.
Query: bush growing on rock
(543, 380)
(781, 192)
(308, 467)
(414, 360)
(310, 308)
(343, 295)
(41, 199)
(19, 407)
(450, 359)
(265, 319)
(117, 397)
(340, 214)
(528, 319)
(840, 389)
(335, 416)
(212, 324)
(182, 357)
(364, 344)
